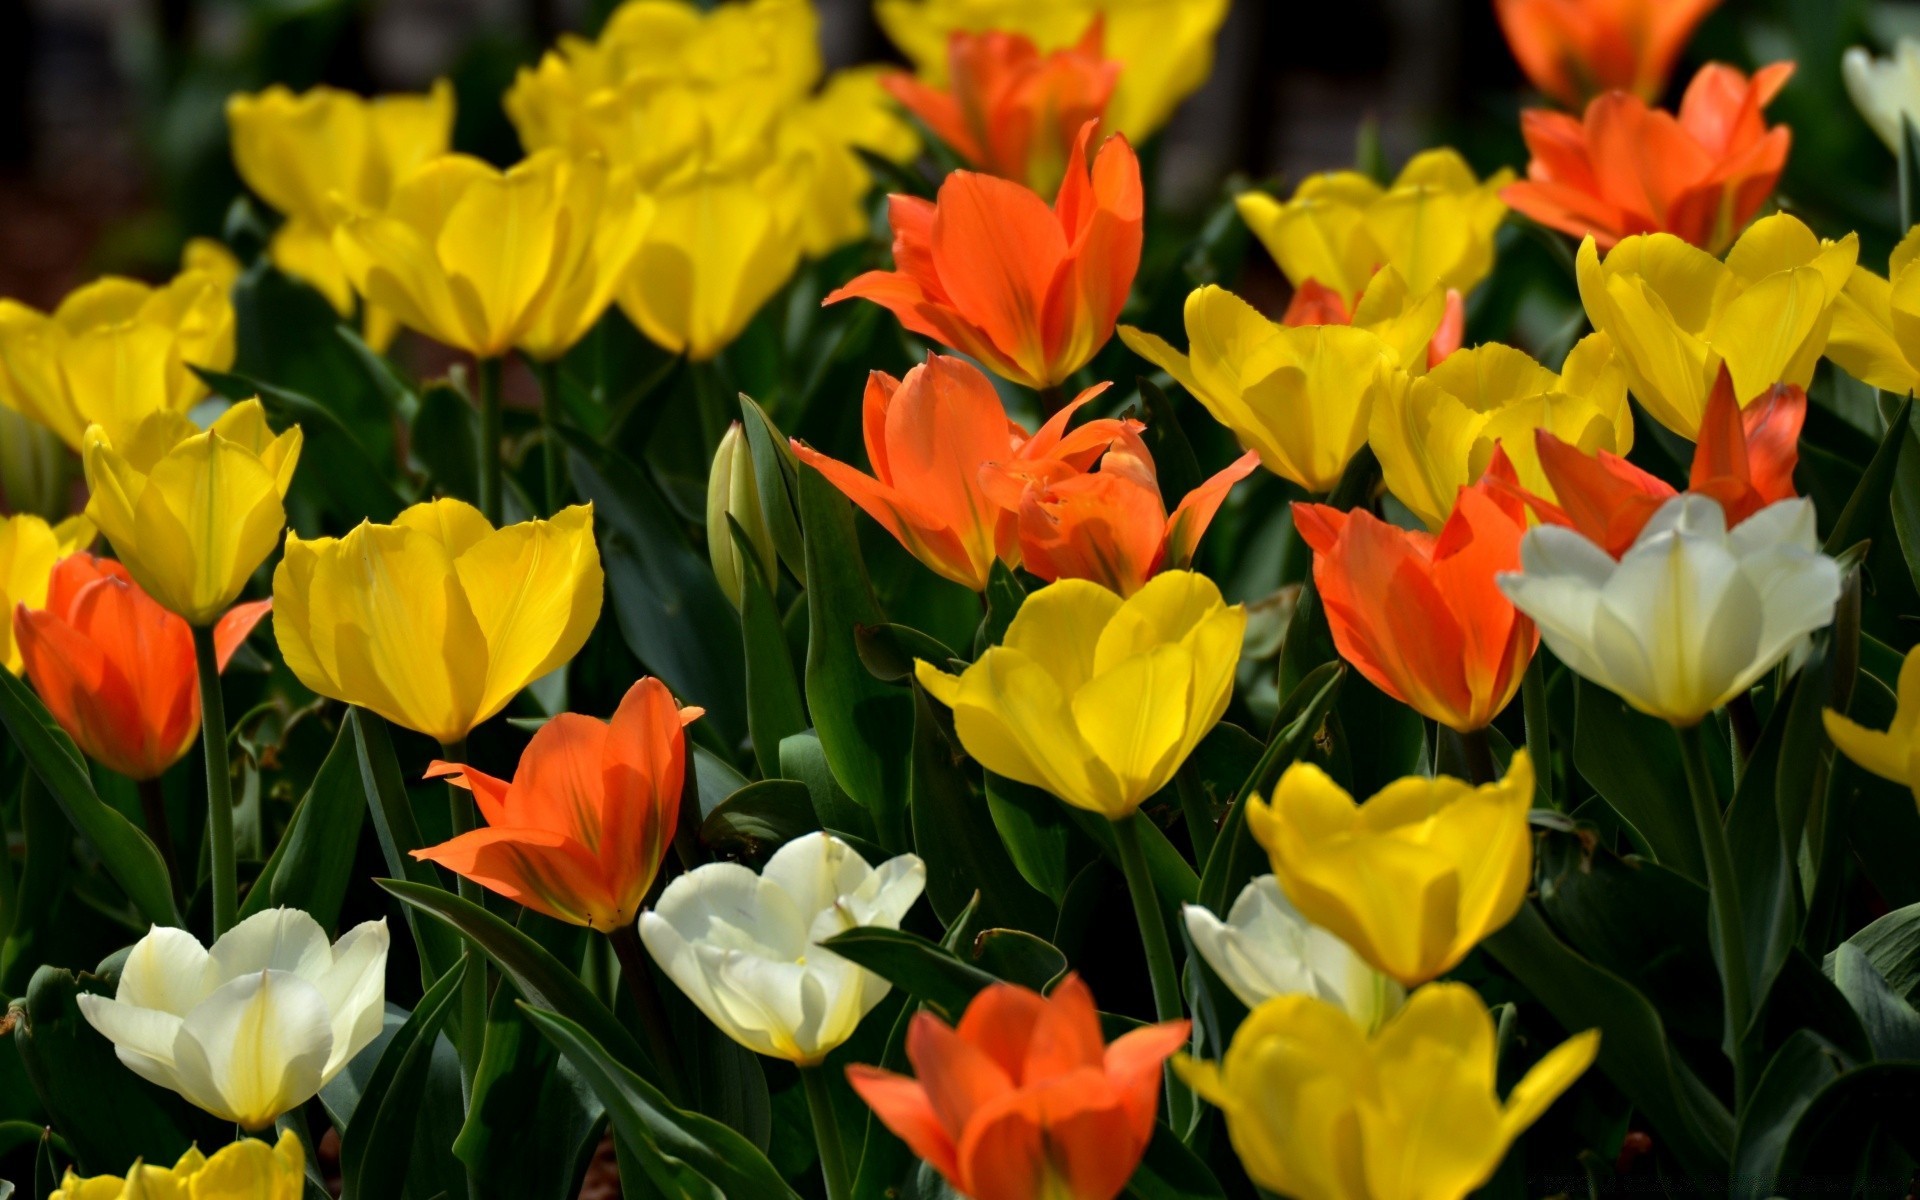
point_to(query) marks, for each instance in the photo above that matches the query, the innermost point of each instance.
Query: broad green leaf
(1634, 763)
(1803, 1065)
(1867, 506)
(313, 863)
(1044, 843)
(356, 482)
(1170, 1171)
(1892, 944)
(760, 818)
(775, 473)
(1838, 1129)
(929, 973)
(775, 710)
(377, 1147)
(446, 439)
(1892, 1024)
(399, 836)
(1004, 598)
(803, 758)
(1019, 957)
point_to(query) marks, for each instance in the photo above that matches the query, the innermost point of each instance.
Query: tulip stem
(633, 969)
(153, 808)
(489, 478)
(1723, 897)
(1533, 707)
(826, 1131)
(551, 413)
(1052, 399)
(1477, 750)
(471, 1034)
(1167, 1005)
(213, 736)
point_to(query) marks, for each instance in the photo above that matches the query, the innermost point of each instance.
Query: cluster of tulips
(851, 869)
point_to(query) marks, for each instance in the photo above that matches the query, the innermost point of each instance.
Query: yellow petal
(1059, 628)
(535, 590)
(1134, 719)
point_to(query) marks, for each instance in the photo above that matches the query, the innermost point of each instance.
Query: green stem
(213, 736)
(653, 1017)
(153, 810)
(550, 418)
(1533, 705)
(1724, 897)
(470, 1038)
(826, 1131)
(1167, 1005)
(1478, 752)
(489, 372)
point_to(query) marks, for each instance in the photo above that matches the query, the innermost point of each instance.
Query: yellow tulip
(1893, 753)
(1165, 46)
(117, 350)
(191, 514)
(1437, 434)
(436, 621)
(298, 151)
(248, 1168)
(1096, 699)
(1434, 225)
(1299, 396)
(1676, 313)
(29, 548)
(1318, 1110)
(1876, 323)
(486, 260)
(1413, 878)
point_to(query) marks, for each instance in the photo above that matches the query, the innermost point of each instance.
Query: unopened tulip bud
(732, 492)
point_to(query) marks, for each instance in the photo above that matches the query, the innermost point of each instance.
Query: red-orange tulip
(1574, 50)
(991, 271)
(580, 832)
(928, 437)
(116, 669)
(1314, 303)
(1420, 615)
(1744, 459)
(1023, 1100)
(1109, 525)
(1628, 168)
(1007, 108)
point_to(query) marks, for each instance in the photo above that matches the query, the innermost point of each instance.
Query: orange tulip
(1420, 615)
(580, 832)
(1023, 1100)
(990, 270)
(116, 669)
(1314, 303)
(1573, 50)
(928, 437)
(1108, 525)
(1628, 168)
(1745, 460)
(1009, 109)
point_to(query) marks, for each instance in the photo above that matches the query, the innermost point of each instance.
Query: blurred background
(113, 142)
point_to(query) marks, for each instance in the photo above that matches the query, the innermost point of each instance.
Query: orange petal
(1198, 507)
(235, 626)
(489, 793)
(535, 868)
(1067, 1035)
(1000, 1021)
(902, 1106)
(642, 768)
(957, 1075)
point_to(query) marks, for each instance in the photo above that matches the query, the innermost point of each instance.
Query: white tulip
(1265, 948)
(1885, 89)
(255, 1026)
(1692, 615)
(744, 947)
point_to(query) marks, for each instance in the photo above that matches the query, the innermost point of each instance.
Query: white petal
(1784, 523)
(276, 939)
(676, 958)
(728, 905)
(164, 971)
(1552, 550)
(1563, 607)
(254, 1048)
(1687, 514)
(882, 898)
(355, 991)
(814, 871)
(142, 1037)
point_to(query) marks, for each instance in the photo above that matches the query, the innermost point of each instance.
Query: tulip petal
(535, 590)
(354, 988)
(903, 1107)
(254, 1048)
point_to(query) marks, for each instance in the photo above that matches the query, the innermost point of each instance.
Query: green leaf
(446, 439)
(677, 1150)
(670, 609)
(803, 758)
(1634, 763)
(1004, 598)
(1173, 876)
(1892, 944)
(1042, 840)
(1892, 1025)
(1236, 857)
(1803, 1065)
(1906, 502)
(759, 818)
(377, 1146)
(124, 849)
(1170, 1171)
(49, 843)
(1848, 1115)
(394, 827)
(929, 973)
(775, 710)
(1868, 503)
(379, 370)
(1019, 957)
(889, 651)
(865, 726)
(1173, 457)
(1692, 1125)
(774, 476)
(313, 863)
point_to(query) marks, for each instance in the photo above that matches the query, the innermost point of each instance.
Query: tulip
(1109, 525)
(1893, 753)
(929, 437)
(1575, 50)
(436, 621)
(1009, 110)
(1425, 329)
(1744, 461)
(118, 351)
(247, 1167)
(1676, 315)
(1165, 47)
(1265, 948)
(1691, 615)
(1434, 226)
(1301, 397)
(746, 950)
(1319, 1110)
(254, 1026)
(298, 151)
(1876, 323)
(1627, 168)
(29, 550)
(117, 670)
(987, 268)
(192, 513)
(1095, 698)
(1886, 90)
(485, 260)
(1024, 1099)
(1437, 434)
(1414, 878)
(733, 498)
(580, 832)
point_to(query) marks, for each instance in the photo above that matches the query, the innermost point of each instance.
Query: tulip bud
(733, 492)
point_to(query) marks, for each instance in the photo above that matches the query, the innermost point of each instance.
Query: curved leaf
(376, 1148)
